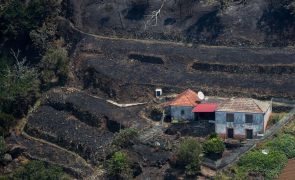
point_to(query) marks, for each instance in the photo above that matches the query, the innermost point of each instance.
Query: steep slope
(238, 23)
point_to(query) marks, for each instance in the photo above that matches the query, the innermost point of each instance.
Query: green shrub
(125, 137)
(119, 166)
(188, 156)
(18, 18)
(6, 122)
(284, 143)
(269, 165)
(55, 65)
(214, 145)
(5, 177)
(2, 147)
(37, 170)
(290, 128)
(19, 87)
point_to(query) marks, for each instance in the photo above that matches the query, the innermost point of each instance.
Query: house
(181, 107)
(238, 118)
(242, 118)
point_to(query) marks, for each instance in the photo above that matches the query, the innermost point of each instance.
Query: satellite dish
(201, 95)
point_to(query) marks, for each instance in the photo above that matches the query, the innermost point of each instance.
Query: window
(182, 112)
(249, 118)
(230, 117)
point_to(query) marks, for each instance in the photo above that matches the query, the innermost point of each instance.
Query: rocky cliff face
(239, 23)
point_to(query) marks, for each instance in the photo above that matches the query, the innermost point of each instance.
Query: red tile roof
(186, 98)
(205, 108)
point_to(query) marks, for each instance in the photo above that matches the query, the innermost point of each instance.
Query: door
(158, 93)
(249, 133)
(230, 133)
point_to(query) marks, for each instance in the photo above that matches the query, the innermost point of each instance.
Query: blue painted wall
(239, 124)
(176, 112)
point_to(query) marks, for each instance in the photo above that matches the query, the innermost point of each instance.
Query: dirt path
(124, 39)
(125, 105)
(288, 172)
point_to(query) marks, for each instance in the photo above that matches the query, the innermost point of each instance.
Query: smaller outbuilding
(181, 107)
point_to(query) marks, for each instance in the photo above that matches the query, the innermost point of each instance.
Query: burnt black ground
(254, 23)
(62, 128)
(177, 72)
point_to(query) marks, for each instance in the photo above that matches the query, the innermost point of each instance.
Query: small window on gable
(182, 112)
(230, 117)
(249, 118)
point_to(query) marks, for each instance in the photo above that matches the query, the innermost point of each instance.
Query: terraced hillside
(76, 131)
(127, 69)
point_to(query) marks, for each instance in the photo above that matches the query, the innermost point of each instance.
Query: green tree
(213, 145)
(43, 36)
(18, 80)
(118, 166)
(189, 155)
(18, 18)
(55, 65)
(19, 84)
(37, 170)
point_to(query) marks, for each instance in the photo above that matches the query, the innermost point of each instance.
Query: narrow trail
(164, 42)
(126, 104)
(144, 41)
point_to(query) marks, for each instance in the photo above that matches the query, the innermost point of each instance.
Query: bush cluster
(6, 122)
(283, 143)
(36, 170)
(213, 145)
(118, 166)
(189, 156)
(2, 147)
(19, 86)
(55, 65)
(269, 165)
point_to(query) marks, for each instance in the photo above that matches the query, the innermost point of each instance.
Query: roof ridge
(187, 97)
(189, 100)
(255, 102)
